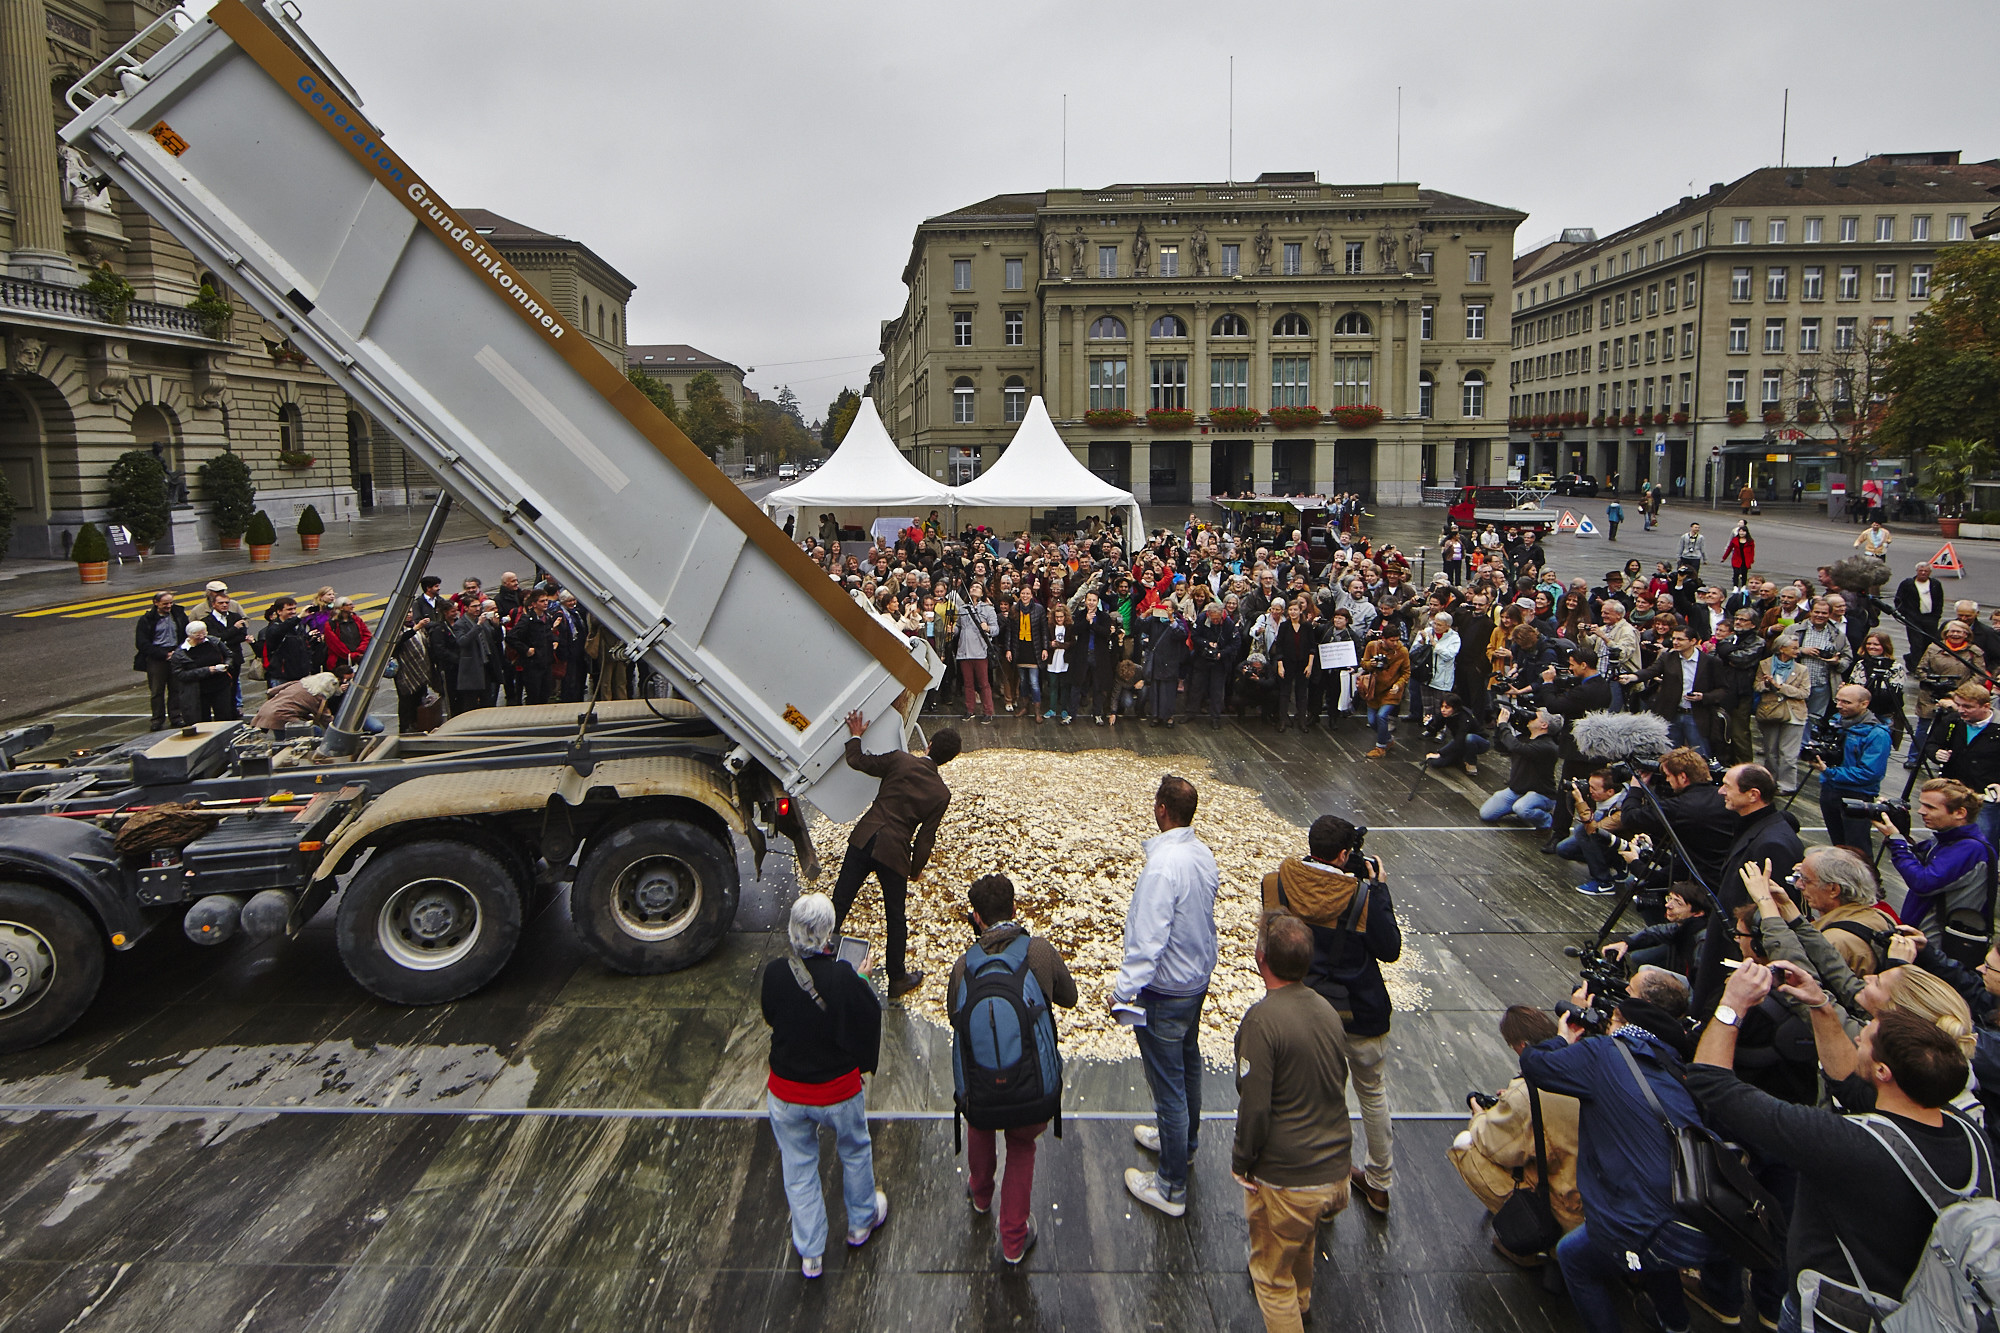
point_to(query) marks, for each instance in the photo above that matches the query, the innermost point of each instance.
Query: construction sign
(1946, 561)
(1567, 523)
(1585, 528)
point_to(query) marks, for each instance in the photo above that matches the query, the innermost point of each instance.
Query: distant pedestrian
(1293, 1139)
(826, 1032)
(1170, 950)
(1614, 514)
(155, 636)
(999, 998)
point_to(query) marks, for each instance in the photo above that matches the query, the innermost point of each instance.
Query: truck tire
(657, 895)
(51, 964)
(428, 922)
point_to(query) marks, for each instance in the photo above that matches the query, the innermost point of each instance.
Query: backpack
(1005, 1065)
(1956, 1285)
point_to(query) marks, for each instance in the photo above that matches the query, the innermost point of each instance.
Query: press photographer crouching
(1498, 1157)
(1530, 793)
(1624, 1153)
(1594, 800)
(1950, 877)
(1586, 690)
(1674, 944)
(1864, 762)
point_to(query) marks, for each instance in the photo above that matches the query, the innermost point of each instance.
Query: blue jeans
(1589, 849)
(1379, 718)
(1031, 680)
(1170, 1046)
(797, 1130)
(1594, 1273)
(1685, 729)
(1533, 807)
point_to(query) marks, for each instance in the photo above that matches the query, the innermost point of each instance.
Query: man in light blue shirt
(1170, 951)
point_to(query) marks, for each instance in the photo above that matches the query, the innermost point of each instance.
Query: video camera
(1603, 980)
(1933, 684)
(1824, 742)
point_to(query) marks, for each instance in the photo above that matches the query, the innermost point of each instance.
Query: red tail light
(784, 807)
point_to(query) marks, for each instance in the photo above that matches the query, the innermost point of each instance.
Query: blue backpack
(1006, 1069)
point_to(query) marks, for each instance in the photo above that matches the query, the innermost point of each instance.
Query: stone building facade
(1286, 291)
(674, 364)
(1736, 329)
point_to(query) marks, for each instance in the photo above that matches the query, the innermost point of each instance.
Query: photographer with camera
(1594, 799)
(1738, 653)
(1693, 810)
(1530, 793)
(1864, 762)
(1624, 1154)
(1839, 889)
(1966, 745)
(1825, 651)
(1950, 878)
(1584, 691)
(1456, 733)
(1339, 892)
(1674, 944)
(1385, 674)
(1496, 1155)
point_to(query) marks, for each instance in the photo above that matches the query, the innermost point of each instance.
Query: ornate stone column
(32, 178)
(1200, 466)
(1053, 387)
(1138, 395)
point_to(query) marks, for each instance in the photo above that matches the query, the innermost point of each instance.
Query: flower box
(1109, 416)
(295, 460)
(1737, 416)
(1774, 416)
(1680, 418)
(1843, 416)
(1234, 418)
(1359, 417)
(1808, 416)
(1295, 418)
(1631, 418)
(1169, 418)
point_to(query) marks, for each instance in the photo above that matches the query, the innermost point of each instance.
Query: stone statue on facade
(1078, 243)
(28, 352)
(81, 186)
(1142, 250)
(1323, 247)
(1198, 249)
(1052, 252)
(1414, 238)
(1386, 246)
(1262, 242)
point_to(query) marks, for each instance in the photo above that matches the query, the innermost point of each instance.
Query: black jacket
(1534, 761)
(1346, 965)
(1590, 694)
(1769, 835)
(810, 1045)
(1736, 659)
(230, 631)
(1698, 815)
(1911, 608)
(142, 637)
(1665, 698)
(1975, 763)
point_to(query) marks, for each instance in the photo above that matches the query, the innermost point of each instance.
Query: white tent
(866, 477)
(1038, 471)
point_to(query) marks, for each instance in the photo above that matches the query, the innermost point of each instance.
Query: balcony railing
(48, 298)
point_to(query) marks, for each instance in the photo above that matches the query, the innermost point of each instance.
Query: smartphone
(1732, 963)
(853, 950)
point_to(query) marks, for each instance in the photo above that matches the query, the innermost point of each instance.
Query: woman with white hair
(826, 1032)
(203, 691)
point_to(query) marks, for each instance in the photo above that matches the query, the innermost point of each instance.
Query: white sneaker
(1146, 1188)
(1147, 1137)
(881, 1216)
(810, 1265)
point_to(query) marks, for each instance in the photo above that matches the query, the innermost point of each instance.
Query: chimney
(1717, 188)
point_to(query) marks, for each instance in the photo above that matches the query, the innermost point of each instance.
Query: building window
(1621, 307)
(1739, 335)
(1808, 382)
(1920, 282)
(1687, 291)
(1475, 266)
(1813, 230)
(1850, 229)
(1653, 299)
(961, 328)
(1603, 357)
(1773, 387)
(1850, 283)
(1107, 326)
(1885, 227)
(961, 401)
(1652, 347)
(961, 275)
(1107, 382)
(1170, 326)
(1427, 259)
(291, 429)
(1291, 326)
(1879, 330)
(1920, 227)
(1231, 257)
(1843, 333)
(1573, 320)
(1353, 324)
(1809, 335)
(1649, 395)
(1291, 381)
(1673, 291)
(1228, 382)
(1774, 335)
(1014, 276)
(1016, 328)
(1107, 261)
(1843, 386)
(1294, 257)
(1774, 233)
(1687, 392)
(1475, 323)
(1475, 396)
(1954, 227)
(1169, 383)
(1231, 325)
(1885, 282)
(1687, 340)
(1739, 232)
(1698, 235)
(1739, 283)
(1812, 282)
(1014, 401)
(1353, 261)
(1424, 331)
(1738, 381)
(1350, 380)
(1426, 394)
(1170, 261)
(1774, 283)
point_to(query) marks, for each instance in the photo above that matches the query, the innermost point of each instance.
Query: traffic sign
(1567, 523)
(1586, 528)
(1946, 561)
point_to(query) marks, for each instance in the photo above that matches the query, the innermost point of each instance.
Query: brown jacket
(1501, 1141)
(1857, 953)
(908, 808)
(1380, 688)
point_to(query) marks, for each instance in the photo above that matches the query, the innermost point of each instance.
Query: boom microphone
(1608, 735)
(1859, 573)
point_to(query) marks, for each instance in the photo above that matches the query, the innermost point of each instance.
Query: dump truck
(235, 132)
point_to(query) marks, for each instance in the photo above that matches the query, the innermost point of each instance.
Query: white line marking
(564, 1112)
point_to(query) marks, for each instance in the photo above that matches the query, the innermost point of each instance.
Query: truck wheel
(428, 922)
(51, 964)
(655, 896)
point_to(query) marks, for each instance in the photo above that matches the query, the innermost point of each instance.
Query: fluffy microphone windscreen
(1610, 735)
(1859, 573)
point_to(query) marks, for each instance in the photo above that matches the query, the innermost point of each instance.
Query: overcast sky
(758, 169)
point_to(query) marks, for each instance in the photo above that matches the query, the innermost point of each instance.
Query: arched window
(1291, 326)
(1231, 325)
(1426, 394)
(1107, 326)
(586, 314)
(1014, 399)
(1475, 395)
(961, 401)
(291, 429)
(1352, 324)
(1170, 326)
(600, 320)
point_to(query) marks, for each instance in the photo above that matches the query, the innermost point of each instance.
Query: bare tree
(1837, 396)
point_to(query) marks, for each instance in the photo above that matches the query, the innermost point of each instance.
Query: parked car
(787, 471)
(1545, 480)
(1577, 483)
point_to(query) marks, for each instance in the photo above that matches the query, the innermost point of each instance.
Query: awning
(1796, 450)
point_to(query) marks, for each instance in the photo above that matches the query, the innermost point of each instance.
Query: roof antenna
(1784, 126)
(1399, 131)
(1065, 142)
(1232, 120)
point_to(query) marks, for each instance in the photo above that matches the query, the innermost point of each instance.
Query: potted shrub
(138, 500)
(1631, 418)
(1359, 416)
(311, 525)
(1234, 418)
(1295, 418)
(260, 536)
(1104, 417)
(92, 555)
(112, 293)
(1948, 469)
(212, 310)
(225, 480)
(1737, 416)
(1169, 418)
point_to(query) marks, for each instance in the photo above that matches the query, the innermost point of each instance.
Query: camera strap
(1541, 1146)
